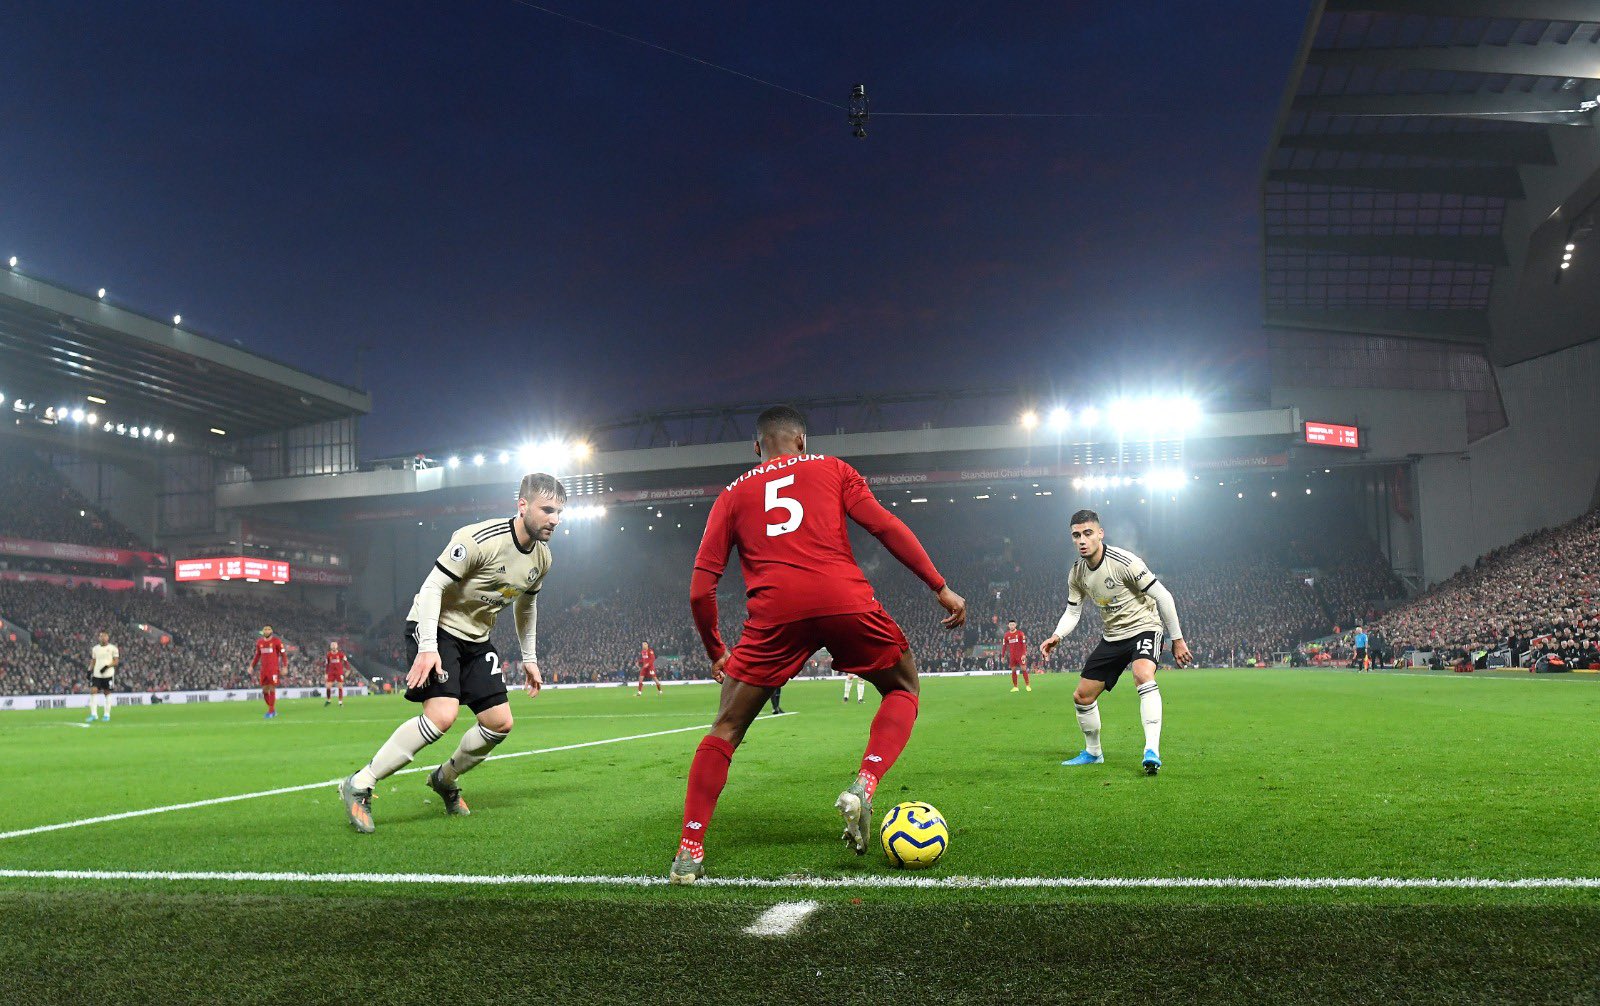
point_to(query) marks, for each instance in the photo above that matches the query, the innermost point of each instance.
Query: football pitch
(1315, 836)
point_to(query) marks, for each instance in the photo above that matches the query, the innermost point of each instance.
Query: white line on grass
(881, 881)
(329, 782)
(780, 919)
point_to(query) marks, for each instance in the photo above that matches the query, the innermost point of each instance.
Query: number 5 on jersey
(796, 512)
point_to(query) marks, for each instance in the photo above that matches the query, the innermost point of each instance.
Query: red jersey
(338, 663)
(647, 661)
(1015, 644)
(787, 519)
(269, 655)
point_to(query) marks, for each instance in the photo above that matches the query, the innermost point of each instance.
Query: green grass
(1269, 774)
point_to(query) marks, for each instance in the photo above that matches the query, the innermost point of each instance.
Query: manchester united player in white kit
(1136, 609)
(486, 567)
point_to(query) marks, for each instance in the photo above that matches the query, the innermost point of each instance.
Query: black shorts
(101, 684)
(1361, 653)
(470, 673)
(1108, 660)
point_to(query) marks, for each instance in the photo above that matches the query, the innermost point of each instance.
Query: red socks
(891, 729)
(708, 773)
(1025, 679)
(272, 700)
(1013, 679)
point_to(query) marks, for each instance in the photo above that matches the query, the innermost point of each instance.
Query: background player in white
(861, 688)
(104, 657)
(1135, 607)
(484, 567)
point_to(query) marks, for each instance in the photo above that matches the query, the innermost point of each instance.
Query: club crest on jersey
(1111, 583)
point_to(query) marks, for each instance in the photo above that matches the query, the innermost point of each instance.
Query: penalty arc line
(330, 782)
(837, 883)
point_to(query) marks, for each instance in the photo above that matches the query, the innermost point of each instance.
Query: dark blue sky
(530, 221)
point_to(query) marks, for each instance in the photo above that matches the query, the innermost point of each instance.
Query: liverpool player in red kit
(1015, 646)
(804, 592)
(337, 664)
(647, 667)
(270, 659)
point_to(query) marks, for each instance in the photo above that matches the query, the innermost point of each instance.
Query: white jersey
(487, 571)
(105, 659)
(1119, 586)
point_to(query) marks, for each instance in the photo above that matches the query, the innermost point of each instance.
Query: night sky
(533, 224)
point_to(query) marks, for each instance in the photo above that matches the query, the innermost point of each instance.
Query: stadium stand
(211, 639)
(36, 503)
(1539, 595)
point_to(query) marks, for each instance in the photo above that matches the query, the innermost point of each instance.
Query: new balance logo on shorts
(873, 758)
(695, 825)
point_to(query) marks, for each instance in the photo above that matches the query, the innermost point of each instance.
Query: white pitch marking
(841, 883)
(781, 918)
(328, 782)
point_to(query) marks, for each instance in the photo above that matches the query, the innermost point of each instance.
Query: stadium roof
(58, 346)
(1399, 145)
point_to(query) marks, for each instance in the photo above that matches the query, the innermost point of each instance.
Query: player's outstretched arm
(525, 609)
(1168, 607)
(1068, 622)
(902, 543)
(429, 597)
(709, 562)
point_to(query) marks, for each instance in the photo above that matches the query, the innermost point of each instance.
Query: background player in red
(805, 591)
(647, 667)
(337, 663)
(1015, 646)
(270, 658)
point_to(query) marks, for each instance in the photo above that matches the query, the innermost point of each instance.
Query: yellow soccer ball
(914, 835)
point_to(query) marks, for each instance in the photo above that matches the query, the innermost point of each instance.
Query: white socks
(96, 701)
(1089, 720)
(1150, 713)
(474, 748)
(410, 737)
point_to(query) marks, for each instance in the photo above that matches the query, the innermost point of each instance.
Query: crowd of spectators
(1242, 597)
(1538, 596)
(38, 504)
(1243, 591)
(210, 640)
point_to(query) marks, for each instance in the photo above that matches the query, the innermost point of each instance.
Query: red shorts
(336, 679)
(269, 681)
(1017, 661)
(861, 643)
(647, 674)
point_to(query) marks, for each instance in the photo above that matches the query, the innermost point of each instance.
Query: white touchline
(837, 883)
(781, 918)
(330, 782)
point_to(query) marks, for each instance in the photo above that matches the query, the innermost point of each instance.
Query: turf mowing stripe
(332, 782)
(780, 919)
(839, 883)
